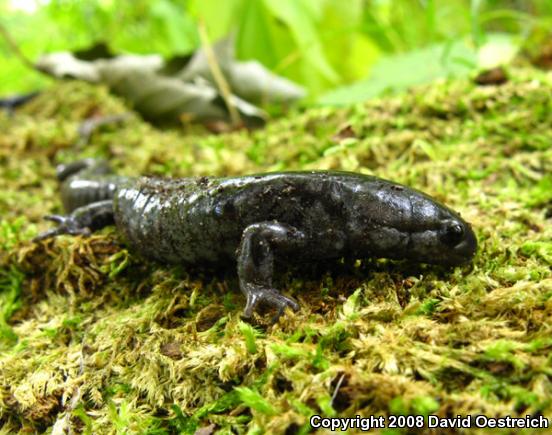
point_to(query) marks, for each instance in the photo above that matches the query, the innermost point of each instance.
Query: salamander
(252, 221)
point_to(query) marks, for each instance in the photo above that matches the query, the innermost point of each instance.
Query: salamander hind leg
(259, 245)
(82, 220)
(88, 166)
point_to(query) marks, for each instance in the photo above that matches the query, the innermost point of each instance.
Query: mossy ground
(96, 339)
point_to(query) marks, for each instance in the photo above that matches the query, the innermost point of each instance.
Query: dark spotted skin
(255, 220)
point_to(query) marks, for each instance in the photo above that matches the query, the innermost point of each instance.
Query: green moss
(97, 339)
(10, 301)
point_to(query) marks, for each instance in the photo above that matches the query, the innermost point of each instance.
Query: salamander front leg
(82, 220)
(258, 246)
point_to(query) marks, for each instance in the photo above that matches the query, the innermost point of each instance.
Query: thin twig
(337, 387)
(16, 50)
(218, 76)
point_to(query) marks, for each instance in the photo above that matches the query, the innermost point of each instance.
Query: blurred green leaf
(254, 39)
(301, 20)
(181, 29)
(220, 17)
(398, 72)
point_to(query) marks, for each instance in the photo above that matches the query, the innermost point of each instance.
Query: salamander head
(452, 243)
(389, 220)
(395, 221)
(442, 236)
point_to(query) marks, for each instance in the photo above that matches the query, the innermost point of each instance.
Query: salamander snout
(448, 240)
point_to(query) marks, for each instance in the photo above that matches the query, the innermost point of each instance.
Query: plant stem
(218, 75)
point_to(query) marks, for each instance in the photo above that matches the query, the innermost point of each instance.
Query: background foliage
(321, 44)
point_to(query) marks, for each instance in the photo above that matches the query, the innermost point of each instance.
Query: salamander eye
(452, 234)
